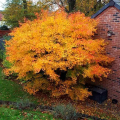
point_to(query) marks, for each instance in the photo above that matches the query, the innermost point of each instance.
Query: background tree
(17, 10)
(56, 53)
(88, 7)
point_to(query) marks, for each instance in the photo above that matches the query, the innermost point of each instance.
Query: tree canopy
(18, 10)
(88, 7)
(56, 53)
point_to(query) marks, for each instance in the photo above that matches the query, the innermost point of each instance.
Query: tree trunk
(71, 5)
(25, 7)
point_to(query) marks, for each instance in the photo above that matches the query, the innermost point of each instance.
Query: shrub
(4, 27)
(56, 53)
(7, 37)
(66, 112)
(23, 104)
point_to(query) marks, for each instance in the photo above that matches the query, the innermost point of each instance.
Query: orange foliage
(39, 50)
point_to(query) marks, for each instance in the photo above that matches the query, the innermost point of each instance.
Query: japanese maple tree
(56, 52)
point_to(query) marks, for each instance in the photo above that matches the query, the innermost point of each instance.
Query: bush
(3, 55)
(66, 112)
(4, 27)
(7, 37)
(56, 53)
(23, 104)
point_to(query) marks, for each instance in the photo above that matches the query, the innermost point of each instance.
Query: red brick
(106, 19)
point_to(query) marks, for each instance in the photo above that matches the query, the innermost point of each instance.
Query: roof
(117, 1)
(112, 3)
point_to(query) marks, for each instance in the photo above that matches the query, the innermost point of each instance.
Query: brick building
(109, 29)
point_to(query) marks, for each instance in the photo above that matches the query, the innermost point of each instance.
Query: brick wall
(109, 20)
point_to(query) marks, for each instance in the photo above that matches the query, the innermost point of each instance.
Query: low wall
(4, 32)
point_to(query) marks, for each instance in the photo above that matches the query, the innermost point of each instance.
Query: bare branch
(61, 4)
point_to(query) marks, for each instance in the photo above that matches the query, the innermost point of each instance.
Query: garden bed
(44, 109)
(106, 110)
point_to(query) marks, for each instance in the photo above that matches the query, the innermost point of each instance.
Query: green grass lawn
(13, 114)
(11, 91)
